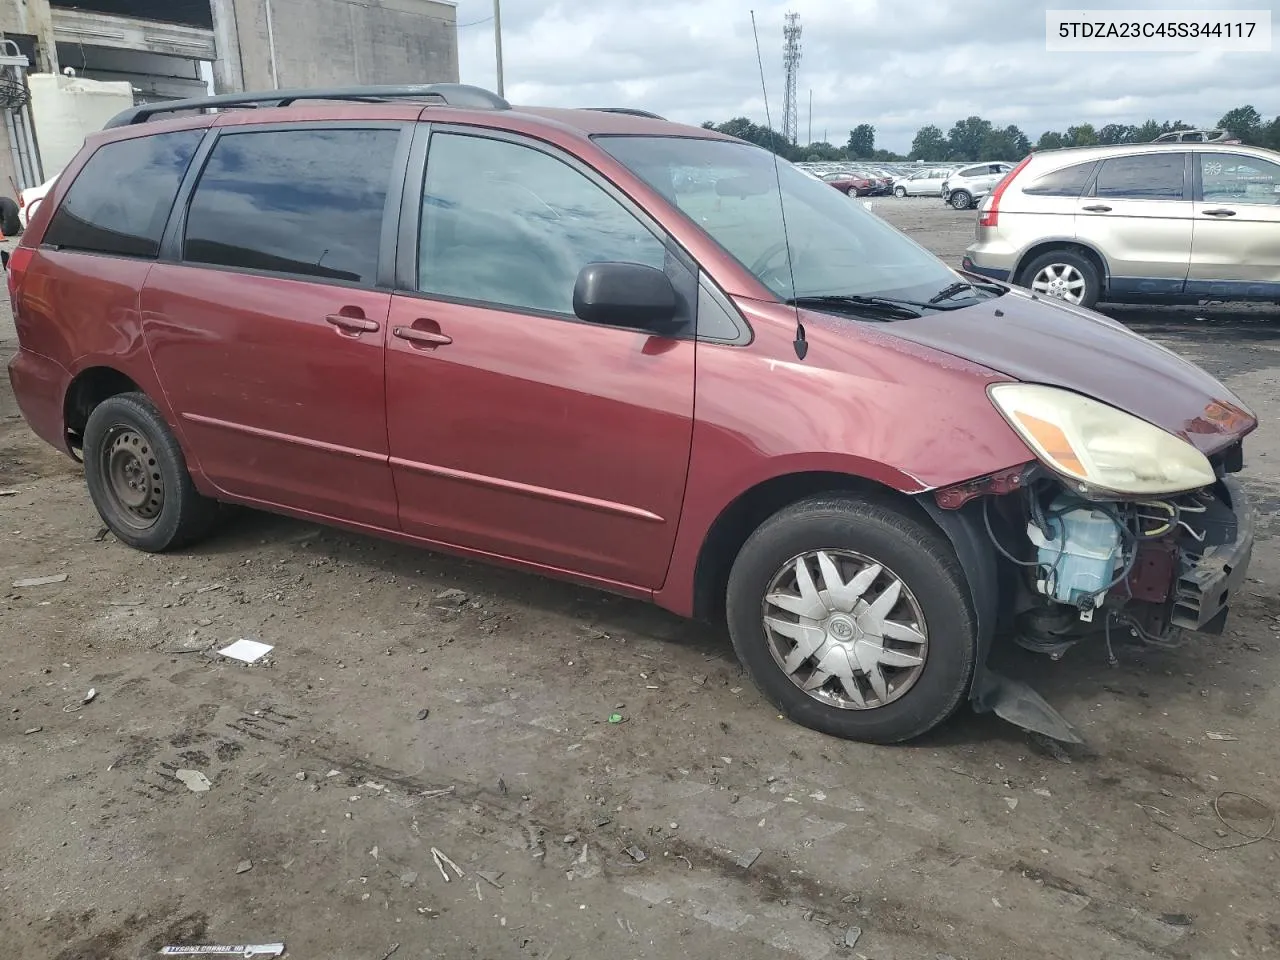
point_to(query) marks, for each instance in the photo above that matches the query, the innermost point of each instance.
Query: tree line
(977, 139)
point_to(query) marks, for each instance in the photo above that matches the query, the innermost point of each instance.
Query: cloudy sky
(897, 64)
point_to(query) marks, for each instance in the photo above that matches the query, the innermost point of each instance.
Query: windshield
(838, 248)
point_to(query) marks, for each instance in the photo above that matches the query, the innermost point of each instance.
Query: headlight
(1099, 446)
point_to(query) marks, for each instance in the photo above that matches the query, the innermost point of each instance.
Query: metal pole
(271, 46)
(811, 116)
(497, 42)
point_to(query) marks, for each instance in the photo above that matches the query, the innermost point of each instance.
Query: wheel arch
(1063, 243)
(746, 512)
(87, 389)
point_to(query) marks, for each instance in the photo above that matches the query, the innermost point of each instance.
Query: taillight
(991, 217)
(19, 260)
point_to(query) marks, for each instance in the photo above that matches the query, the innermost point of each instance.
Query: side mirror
(625, 295)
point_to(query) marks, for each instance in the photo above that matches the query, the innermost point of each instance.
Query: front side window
(1232, 178)
(308, 203)
(837, 248)
(1154, 176)
(121, 200)
(510, 225)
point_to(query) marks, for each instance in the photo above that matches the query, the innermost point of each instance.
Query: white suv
(964, 188)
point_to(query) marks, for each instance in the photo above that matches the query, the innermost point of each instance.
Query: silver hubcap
(845, 629)
(1060, 280)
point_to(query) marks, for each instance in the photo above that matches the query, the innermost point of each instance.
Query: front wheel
(853, 618)
(899, 192)
(138, 479)
(960, 199)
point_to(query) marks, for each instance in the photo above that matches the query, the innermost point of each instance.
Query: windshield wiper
(904, 309)
(949, 291)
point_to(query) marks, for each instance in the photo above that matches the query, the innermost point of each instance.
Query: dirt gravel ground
(413, 702)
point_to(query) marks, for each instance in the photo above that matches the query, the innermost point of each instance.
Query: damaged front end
(1086, 544)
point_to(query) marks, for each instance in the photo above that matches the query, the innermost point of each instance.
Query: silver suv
(1174, 222)
(970, 184)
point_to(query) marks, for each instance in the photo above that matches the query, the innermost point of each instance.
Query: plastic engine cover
(1078, 554)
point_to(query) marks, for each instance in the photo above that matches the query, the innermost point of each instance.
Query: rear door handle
(356, 325)
(1098, 208)
(1218, 213)
(423, 338)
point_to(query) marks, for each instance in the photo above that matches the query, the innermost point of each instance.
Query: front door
(268, 334)
(517, 430)
(1236, 249)
(1138, 215)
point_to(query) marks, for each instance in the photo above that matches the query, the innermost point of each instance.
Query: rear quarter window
(1067, 182)
(121, 199)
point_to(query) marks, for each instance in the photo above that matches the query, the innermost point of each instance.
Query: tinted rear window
(1151, 177)
(1067, 182)
(301, 202)
(120, 201)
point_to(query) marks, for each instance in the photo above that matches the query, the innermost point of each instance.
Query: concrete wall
(337, 42)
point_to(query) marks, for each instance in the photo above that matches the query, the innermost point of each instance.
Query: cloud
(897, 64)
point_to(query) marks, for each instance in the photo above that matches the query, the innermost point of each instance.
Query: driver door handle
(1098, 208)
(1219, 213)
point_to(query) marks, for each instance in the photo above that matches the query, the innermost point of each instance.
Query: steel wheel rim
(845, 629)
(133, 477)
(1060, 280)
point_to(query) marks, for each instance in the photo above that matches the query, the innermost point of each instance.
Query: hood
(1044, 341)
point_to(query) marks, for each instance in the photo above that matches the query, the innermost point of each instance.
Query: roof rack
(448, 94)
(630, 111)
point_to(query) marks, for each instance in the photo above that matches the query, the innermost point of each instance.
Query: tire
(10, 222)
(960, 199)
(899, 192)
(1061, 271)
(934, 595)
(138, 478)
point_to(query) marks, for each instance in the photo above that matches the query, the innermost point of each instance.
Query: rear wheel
(853, 618)
(960, 199)
(1064, 274)
(138, 479)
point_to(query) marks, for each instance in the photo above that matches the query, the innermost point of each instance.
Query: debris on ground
(570, 839)
(636, 854)
(1177, 919)
(1041, 792)
(851, 937)
(1011, 803)
(491, 877)
(247, 651)
(424, 713)
(432, 794)
(40, 581)
(453, 597)
(27, 733)
(8, 493)
(239, 950)
(244, 866)
(195, 781)
(394, 948)
(616, 718)
(101, 535)
(408, 878)
(1220, 736)
(300, 775)
(749, 857)
(441, 861)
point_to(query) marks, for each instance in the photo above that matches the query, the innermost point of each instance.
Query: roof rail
(630, 111)
(448, 94)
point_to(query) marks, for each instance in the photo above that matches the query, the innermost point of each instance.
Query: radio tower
(791, 62)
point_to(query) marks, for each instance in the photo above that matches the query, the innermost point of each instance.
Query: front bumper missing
(1204, 590)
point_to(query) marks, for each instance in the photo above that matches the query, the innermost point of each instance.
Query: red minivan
(637, 355)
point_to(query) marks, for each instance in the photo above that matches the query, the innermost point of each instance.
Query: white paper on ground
(246, 650)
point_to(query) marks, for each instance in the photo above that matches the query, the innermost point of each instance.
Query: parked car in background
(922, 183)
(884, 180)
(854, 184)
(966, 186)
(30, 198)
(383, 314)
(1196, 136)
(1171, 222)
